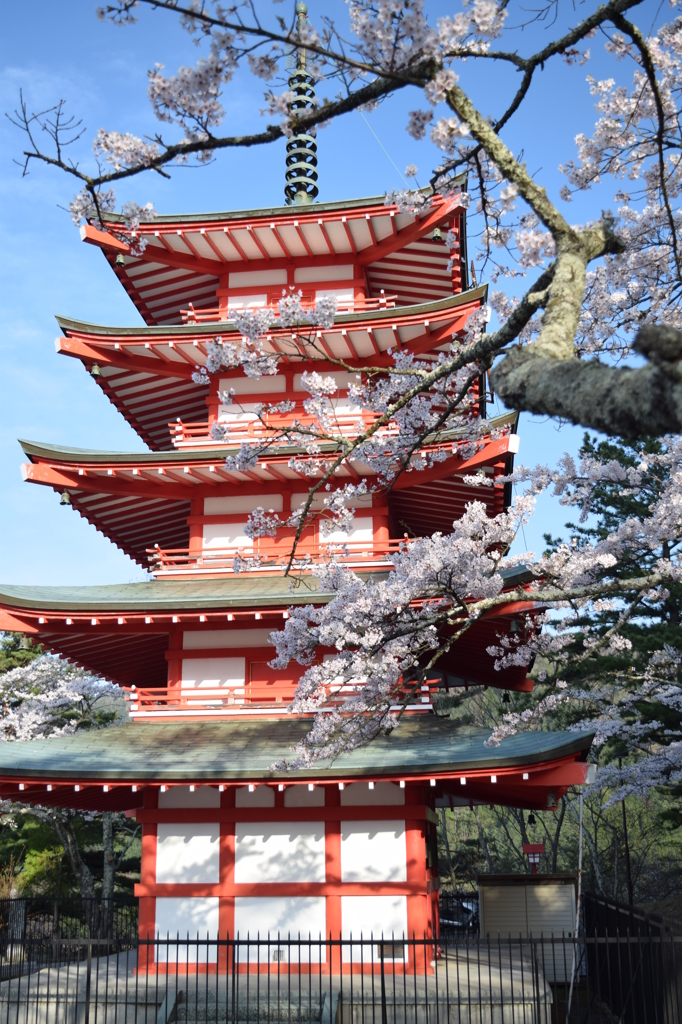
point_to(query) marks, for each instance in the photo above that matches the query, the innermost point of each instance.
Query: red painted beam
(455, 464)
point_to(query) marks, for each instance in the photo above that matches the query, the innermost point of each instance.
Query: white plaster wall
(249, 386)
(244, 412)
(301, 796)
(372, 916)
(340, 294)
(298, 498)
(207, 673)
(343, 272)
(225, 535)
(343, 379)
(242, 503)
(247, 301)
(254, 278)
(188, 852)
(187, 915)
(279, 852)
(373, 851)
(262, 796)
(358, 794)
(195, 640)
(181, 796)
(363, 530)
(283, 916)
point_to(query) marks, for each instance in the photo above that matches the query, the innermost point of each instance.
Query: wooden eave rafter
(143, 624)
(282, 216)
(165, 254)
(120, 787)
(165, 477)
(118, 348)
(121, 620)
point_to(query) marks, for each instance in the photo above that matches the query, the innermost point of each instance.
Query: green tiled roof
(63, 453)
(168, 595)
(338, 204)
(174, 595)
(245, 750)
(209, 328)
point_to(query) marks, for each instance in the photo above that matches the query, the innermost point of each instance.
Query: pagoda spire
(301, 159)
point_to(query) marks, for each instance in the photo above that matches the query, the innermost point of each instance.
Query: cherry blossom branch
(368, 94)
(544, 377)
(647, 63)
(390, 79)
(529, 66)
(623, 401)
(479, 353)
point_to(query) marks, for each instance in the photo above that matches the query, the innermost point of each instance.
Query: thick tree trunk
(82, 873)
(628, 402)
(557, 833)
(108, 874)
(483, 843)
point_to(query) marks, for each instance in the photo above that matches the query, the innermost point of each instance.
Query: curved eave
(139, 500)
(37, 451)
(68, 325)
(146, 373)
(245, 750)
(188, 259)
(163, 596)
(168, 596)
(267, 213)
(122, 631)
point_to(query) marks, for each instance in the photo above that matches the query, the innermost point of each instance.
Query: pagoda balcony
(247, 426)
(250, 428)
(216, 314)
(271, 556)
(253, 699)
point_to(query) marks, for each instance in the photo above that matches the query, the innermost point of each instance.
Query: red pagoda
(228, 845)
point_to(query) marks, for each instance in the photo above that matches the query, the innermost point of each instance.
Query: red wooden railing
(273, 554)
(274, 695)
(359, 305)
(346, 424)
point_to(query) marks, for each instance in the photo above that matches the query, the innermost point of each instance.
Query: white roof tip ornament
(301, 159)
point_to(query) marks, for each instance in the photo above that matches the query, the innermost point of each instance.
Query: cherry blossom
(49, 697)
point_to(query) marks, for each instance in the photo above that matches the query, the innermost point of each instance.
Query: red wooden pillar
(174, 664)
(226, 912)
(147, 907)
(333, 878)
(415, 842)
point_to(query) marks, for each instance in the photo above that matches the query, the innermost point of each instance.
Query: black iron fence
(637, 963)
(364, 980)
(69, 961)
(50, 919)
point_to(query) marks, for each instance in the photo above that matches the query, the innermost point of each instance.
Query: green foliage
(625, 685)
(655, 620)
(43, 869)
(16, 650)
(655, 851)
(485, 838)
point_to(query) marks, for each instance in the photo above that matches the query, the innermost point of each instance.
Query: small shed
(531, 905)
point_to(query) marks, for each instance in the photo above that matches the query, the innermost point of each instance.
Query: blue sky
(100, 70)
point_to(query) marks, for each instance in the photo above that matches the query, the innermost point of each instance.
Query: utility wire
(386, 151)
